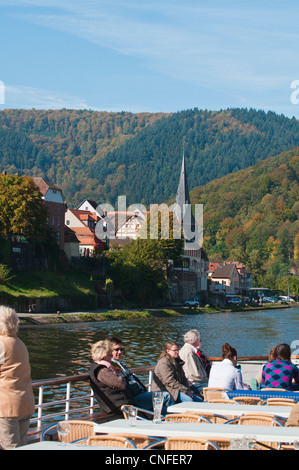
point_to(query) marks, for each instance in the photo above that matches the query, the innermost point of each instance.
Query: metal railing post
(91, 405)
(150, 379)
(39, 406)
(67, 398)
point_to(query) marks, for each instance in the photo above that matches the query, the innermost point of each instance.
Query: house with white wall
(54, 201)
(83, 223)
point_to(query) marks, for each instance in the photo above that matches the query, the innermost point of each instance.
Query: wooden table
(171, 429)
(227, 409)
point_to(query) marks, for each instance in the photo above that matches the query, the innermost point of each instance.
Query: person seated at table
(293, 419)
(225, 374)
(135, 388)
(112, 388)
(169, 375)
(134, 384)
(193, 367)
(281, 372)
(256, 382)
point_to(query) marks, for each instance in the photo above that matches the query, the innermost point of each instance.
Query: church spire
(182, 206)
(182, 196)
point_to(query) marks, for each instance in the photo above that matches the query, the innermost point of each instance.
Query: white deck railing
(73, 397)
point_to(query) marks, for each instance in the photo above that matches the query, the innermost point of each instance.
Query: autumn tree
(22, 211)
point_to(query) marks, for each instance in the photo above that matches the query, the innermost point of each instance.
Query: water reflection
(57, 350)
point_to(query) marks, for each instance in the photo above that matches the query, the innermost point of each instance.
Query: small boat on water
(71, 397)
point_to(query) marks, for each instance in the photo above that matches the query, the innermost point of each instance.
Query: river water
(58, 350)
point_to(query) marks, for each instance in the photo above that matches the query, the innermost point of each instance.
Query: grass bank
(118, 314)
(48, 284)
(108, 315)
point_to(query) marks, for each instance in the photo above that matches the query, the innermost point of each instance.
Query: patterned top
(280, 374)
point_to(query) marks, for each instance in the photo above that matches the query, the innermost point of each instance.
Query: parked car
(269, 300)
(234, 300)
(286, 298)
(192, 303)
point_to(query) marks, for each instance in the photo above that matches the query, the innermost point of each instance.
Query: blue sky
(150, 55)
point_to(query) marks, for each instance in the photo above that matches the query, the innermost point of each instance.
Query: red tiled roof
(44, 185)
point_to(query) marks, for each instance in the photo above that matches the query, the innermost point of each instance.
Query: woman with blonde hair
(16, 395)
(113, 388)
(106, 382)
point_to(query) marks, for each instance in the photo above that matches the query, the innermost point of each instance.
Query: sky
(150, 55)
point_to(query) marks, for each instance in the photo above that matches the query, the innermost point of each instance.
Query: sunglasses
(118, 349)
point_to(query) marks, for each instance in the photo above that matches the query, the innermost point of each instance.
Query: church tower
(182, 209)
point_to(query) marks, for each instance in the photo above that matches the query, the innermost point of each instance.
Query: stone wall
(50, 304)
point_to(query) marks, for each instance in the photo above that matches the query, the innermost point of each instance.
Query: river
(58, 350)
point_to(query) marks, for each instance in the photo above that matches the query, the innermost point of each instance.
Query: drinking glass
(63, 429)
(237, 444)
(296, 445)
(158, 399)
(249, 442)
(132, 416)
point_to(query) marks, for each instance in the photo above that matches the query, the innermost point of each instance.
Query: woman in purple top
(281, 373)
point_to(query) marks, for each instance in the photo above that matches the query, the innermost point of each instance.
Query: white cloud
(205, 46)
(24, 97)
(241, 50)
(29, 97)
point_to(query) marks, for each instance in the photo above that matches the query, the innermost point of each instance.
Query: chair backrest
(212, 393)
(197, 417)
(260, 420)
(185, 443)
(111, 441)
(221, 442)
(139, 440)
(281, 402)
(257, 419)
(269, 389)
(183, 418)
(78, 430)
(215, 418)
(248, 400)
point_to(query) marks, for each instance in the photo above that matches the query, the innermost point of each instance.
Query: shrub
(4, 274)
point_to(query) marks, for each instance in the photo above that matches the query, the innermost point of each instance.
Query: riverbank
(119, 314)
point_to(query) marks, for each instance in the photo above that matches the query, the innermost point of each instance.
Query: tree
(296, 246)
(138, 270)
(22, 211)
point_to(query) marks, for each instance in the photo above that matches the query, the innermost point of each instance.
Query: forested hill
(253, 216)
(100, 155)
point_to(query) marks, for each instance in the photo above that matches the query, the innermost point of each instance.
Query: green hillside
(61, 145)
(101, 155)
(252, 216)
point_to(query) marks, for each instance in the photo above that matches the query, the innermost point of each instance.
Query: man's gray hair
(191, 336)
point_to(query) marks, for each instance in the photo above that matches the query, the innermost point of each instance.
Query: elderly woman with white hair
(16, 394)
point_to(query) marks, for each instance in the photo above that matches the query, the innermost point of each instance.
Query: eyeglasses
(174, 350)
(118, 349)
